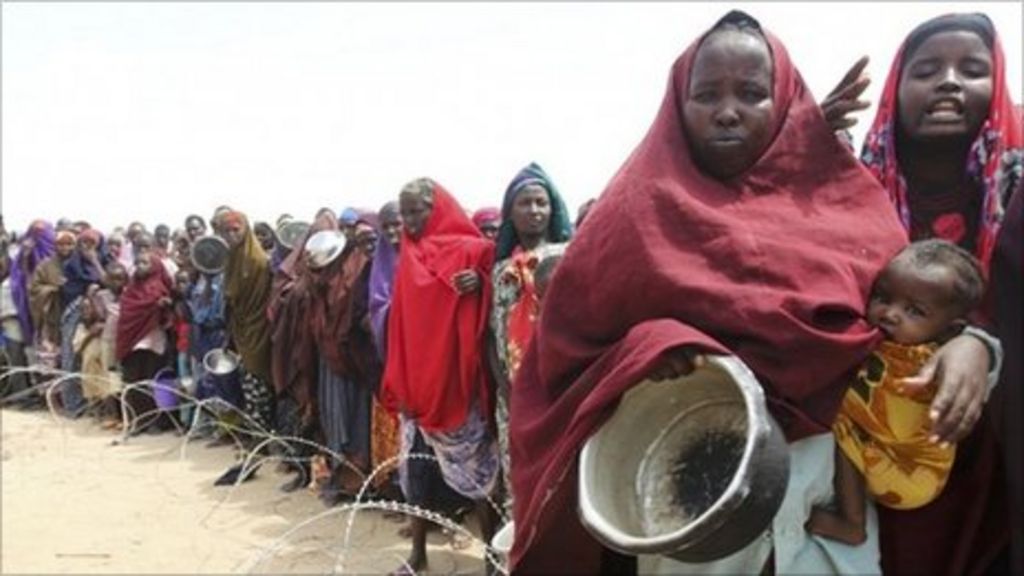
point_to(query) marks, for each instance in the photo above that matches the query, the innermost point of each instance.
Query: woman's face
(531, 211)
(117, 277)
(415, 212)
(143, 264)
(729, 112)
(195, 228)
(65, 246)
(946, 87)
(233, 231)
(162, 236)
(86, 245)
(265, 236)
(366, 238)
(391, 226)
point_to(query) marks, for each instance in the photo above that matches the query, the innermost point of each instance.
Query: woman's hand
(676, 363)
(466, 281)
(843, 99)
(960, 370)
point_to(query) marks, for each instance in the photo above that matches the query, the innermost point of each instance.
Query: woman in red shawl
(142, 337)
(763, 236)
(435, 372)
(946, 145)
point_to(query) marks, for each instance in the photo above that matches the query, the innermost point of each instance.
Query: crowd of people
(467, 357)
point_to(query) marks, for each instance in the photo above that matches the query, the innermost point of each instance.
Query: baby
(920, 299)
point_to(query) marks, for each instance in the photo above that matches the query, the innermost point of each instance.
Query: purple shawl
(44, 237)
(382, 277)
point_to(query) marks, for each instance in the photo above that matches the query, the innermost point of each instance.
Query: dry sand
(74, 502)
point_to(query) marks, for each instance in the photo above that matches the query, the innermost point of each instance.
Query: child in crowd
(182, 327)
(88, 347)
(108, 303)
(208, 326)
(921, 299)
(93, 344)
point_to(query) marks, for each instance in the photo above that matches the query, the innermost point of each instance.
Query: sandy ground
(76, 502)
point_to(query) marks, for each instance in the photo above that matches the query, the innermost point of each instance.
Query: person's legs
(17, 383)
(139, 367)
(258, 400)
(487, 517)
(418, 556)
(847, 523)
(71, 387)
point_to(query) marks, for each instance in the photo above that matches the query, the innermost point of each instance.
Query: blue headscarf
(559, 226)
(348, 216)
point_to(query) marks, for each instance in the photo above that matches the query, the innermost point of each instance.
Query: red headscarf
(435, 369)
(994, 160)
(140, 314)
(485, 215)
(773, 266)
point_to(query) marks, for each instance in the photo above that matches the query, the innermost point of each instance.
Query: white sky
(121, 111)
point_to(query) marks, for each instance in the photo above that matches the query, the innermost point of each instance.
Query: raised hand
(843, 100)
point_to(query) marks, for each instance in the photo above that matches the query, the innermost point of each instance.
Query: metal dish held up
(291, 232)
(220, 362)
(693, 468)
(324, 247)
(209, 254)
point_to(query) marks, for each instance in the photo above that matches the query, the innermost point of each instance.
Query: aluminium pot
(693, 468)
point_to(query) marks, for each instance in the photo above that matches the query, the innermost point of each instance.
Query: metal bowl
(324, 247)
(291, 232)
(221, 362)
(209, 254)
(693, 468)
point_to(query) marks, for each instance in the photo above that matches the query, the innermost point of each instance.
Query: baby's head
(926, 292)
(542, 275)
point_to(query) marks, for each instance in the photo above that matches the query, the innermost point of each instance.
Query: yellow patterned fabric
(884, 430)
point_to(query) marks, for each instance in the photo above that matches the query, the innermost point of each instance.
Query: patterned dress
(513, 315)
(884, 430)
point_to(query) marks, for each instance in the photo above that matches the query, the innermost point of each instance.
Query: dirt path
(73, 502)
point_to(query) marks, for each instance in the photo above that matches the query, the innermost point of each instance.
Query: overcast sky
(122, 111)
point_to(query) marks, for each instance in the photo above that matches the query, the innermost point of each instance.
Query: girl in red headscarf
(946, 145)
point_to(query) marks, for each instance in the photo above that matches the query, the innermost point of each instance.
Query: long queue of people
(89, 312)
(485, 350)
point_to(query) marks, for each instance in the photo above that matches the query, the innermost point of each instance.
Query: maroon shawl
(774, 266)
(294, 360)
(140, 314)
(1008, 398)
(331, 316)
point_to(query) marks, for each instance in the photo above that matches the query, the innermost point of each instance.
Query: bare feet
(414, 565)
(830, 525)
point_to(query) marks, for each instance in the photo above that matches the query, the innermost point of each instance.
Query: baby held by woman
(885, 447)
